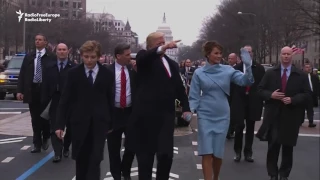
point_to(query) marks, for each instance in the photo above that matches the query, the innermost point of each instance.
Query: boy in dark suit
(87, 102)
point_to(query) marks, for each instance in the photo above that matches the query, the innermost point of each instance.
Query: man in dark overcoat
(87, 102)
(246, 109)
(285, 90)
(29, 90)
(54, 80)
(314, 86)
(152, 126)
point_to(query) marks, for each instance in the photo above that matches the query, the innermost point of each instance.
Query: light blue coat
(212, 106)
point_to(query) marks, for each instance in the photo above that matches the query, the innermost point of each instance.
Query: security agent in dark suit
(151, 127)
(53, 82)
(285, 90)
(246, 109)
(124, 91)
(313, 98)
(29, 90)
(87, 102)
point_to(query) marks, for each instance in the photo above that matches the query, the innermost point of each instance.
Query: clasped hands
(281, 96)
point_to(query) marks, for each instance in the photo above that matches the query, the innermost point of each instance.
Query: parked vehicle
(9, 78)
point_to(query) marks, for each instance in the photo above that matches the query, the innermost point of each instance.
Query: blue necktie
(61, 66)
(90, 78)
(38, 76)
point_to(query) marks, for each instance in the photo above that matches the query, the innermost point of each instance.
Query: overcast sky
(185, 17)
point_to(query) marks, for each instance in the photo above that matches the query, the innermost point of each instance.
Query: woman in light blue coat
(209, 91)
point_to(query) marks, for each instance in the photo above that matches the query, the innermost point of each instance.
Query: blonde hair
(91, 46)
(151, 37)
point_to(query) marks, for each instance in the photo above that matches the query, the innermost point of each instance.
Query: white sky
(185, 17)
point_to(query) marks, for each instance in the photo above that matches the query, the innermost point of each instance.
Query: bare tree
(309, 12)
(266, 25)
(9, 27)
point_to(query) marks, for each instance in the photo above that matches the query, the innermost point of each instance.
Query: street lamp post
(254, 21)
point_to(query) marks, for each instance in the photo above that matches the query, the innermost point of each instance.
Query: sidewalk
(19, 125)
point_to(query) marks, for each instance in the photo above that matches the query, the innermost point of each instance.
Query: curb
(14, 118)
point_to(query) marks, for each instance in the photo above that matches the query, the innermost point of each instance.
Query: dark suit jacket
(118, 123)
(27, 73)
(154, 109)
(282, 122)
(240, 100)
(89, 107)
(52, 85)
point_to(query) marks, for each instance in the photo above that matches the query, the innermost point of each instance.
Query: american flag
(299, 50)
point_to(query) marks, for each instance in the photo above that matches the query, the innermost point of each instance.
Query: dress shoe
(56, 159)
(65, 153)
(248, 159)
(45, 144)
(283, 178)
(36, 150)
(230, 136)
(237, 158)
(312, 125)
(274, 178)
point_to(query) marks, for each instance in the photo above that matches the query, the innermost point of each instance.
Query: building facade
(120, 31)
(70, 9)
(165, 28)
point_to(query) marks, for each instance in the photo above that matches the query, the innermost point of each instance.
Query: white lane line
(8, 159)
(175, 148)
(2, 113)
(176, 152)
(199, 166)
(11, 139)
(8, 142)
(25, 147)
(195, 143)
(300, 134)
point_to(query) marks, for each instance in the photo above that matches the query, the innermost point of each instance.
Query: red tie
(284, 81)
(123, 96)
(168, 74)
(247, 89)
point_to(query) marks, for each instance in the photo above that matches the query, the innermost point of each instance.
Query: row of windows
(75, 5)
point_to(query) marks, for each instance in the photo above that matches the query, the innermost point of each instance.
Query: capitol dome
(164, 27)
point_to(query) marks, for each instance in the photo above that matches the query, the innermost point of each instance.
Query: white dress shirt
(310, 82)
(43, 51)
(118, 69)
(94, 73)
(165, 62)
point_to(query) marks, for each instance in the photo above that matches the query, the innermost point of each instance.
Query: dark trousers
(40, 126)
(310, 112)
(87, 168)
(231, 129)
(59, 145)
(114, 147)
(145, 165)
(238, 140)
(272, 159)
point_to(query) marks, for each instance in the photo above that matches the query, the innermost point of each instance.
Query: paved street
(10, 107)
(17, 163)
